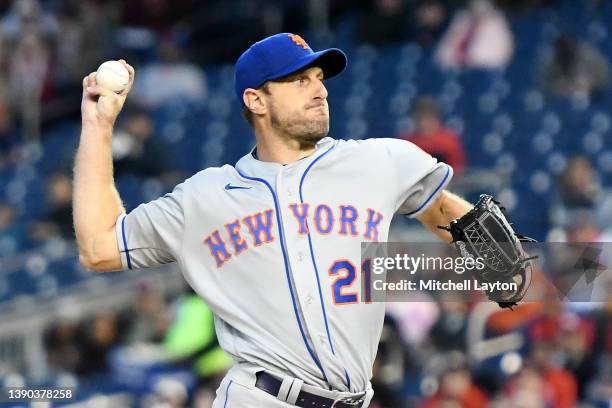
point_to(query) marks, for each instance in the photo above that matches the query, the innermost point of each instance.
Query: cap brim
(332, 61)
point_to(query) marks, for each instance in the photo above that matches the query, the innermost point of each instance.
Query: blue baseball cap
(280, 55)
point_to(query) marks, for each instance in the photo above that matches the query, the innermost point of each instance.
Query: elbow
(93, 263)
(89, 262)
(99, 254)
(87, 257)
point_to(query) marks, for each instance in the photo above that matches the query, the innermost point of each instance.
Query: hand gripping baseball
(101, 106)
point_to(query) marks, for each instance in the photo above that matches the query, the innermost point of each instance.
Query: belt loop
(284, 389)
(296, 387)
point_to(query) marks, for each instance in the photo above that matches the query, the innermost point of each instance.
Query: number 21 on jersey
(345, 273)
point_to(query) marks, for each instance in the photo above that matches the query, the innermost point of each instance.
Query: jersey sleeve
(152, 233)
(420, 177)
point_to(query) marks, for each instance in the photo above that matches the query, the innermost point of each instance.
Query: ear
(254, 101)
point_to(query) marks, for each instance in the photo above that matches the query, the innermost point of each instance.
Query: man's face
(298, 106)
(427, 123)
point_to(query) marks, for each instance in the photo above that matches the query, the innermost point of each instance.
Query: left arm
(441, 212)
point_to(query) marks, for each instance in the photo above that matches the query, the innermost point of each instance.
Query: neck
(276, 149)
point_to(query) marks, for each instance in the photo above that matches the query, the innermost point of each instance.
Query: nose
(321, 92)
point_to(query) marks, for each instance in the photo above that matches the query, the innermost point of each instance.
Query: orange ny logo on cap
(299, 41)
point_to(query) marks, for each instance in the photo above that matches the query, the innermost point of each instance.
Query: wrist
(97, 127)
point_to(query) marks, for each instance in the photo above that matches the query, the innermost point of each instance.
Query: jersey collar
(249, 165)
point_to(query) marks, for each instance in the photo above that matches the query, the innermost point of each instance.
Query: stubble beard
(297, 128)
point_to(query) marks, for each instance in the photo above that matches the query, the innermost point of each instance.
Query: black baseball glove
(485, 233)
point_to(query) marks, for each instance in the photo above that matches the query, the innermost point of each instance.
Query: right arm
(96, 202)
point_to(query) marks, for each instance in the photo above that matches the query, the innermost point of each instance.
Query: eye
(302, 80)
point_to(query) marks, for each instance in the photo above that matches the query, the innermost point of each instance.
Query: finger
(91, 79)
(132, 73)
(130, 70)
(128, 67)
(87, 80)
(96, 90)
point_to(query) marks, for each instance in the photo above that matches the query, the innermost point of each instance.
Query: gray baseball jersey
(274, 250)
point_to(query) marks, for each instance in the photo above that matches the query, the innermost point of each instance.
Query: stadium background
(521, 89)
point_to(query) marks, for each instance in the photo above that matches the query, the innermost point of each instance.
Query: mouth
(315, 105)
(320, 108)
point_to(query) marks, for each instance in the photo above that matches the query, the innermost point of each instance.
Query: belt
(272, 386)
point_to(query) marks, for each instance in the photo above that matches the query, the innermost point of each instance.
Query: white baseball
(113, 76)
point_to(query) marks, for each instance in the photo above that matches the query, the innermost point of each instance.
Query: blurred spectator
(414, 319)
(582, 228)
(579, 187)
(61, 343)
(82, 42)
(456, 388)
(429, 17)
(70, 44)
(449, 332)
(98, 338)
(599, 389)
(580, 347)
(25, 16)
(524, 390)
(559, 387)
(12, 236)
(384, 21)
(578, 191)
(8, 214)
(136, 149)
(523, 5)
(8, 134)
(212, 42)
(149, 319)
(574, 67)
(58, 221)
(191, 338)
(547, 325)
(157, 15)
(167, 393)
(389, 367)
(28, 70)
(431, 135)
(505, 320)
(171, 77)
(478, 37)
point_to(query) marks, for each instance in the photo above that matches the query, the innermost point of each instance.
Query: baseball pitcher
(272, 244)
